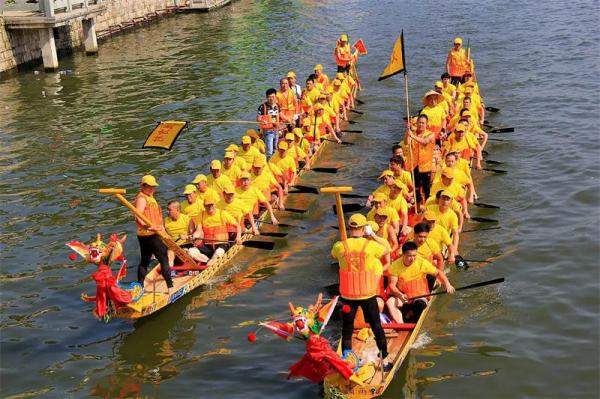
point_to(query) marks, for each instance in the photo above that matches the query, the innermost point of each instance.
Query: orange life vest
(342, 55)
(457, 61)
(423, 155)
(215, 232)
(289, 105)
(466, 153)
(414, 287)
(152, 212)
(357, 284)
(268, 122)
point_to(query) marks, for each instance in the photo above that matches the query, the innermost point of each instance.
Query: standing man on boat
(423, 145)
(150, 241)
(360, 275)
(268, 116)
(456, 62)
(343, 54)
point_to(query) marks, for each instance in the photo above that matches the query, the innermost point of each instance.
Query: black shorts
(209, 250)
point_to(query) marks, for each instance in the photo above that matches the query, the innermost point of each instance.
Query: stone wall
(21, 46)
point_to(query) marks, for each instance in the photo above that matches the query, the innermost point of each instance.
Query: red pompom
(121, 258)
(73, 257)
(251, 337)
(346, 309)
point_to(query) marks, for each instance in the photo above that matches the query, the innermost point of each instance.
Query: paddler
(438, 234)
(446, 217)
(322, 80)
(456, 63)
(460, 177)
(253, 197)
(285, 162)
(201, 182)
(181, 228)
(380, 202)
(237, 208)
(264, 180)
(301, 142)
(460, 143)
(256, 141)
(360, 275)
(150, 241)
(408, 278)
(396, 165)
(343, 54)
(428, 248)
(192, 206)
(385, 231)
(423, 145)
(448, 103)
(297, 153)
(217, 180)
(269, 118)
(248, 152)
(215, 236)
(310, 95)
(238, 161)
(230, 169)
(448, 87)
(296, 88)
(396, 201)
(446, 183)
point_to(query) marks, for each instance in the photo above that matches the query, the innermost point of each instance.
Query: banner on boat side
(397, 63)
(164, 134)
(360, 46)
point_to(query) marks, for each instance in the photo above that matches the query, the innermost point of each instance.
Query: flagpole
(412, 167)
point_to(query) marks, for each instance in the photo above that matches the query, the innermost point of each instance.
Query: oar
(493, 139)
(493, 162)
(343, 142)
(466, 287)
(347, 208)
(502, 130)
(499, 171)
(354, 196)
(273, 234)
(485, 153)
(325, 170)
(280, 224)
(304, 189)
(492, 109)
(267, 245)
(484, 229)
(294, 210)
(488, 206)
(462, 263)
(351, 131)
(351, 122)
(483, 220)
(360, 101)
(356, 111)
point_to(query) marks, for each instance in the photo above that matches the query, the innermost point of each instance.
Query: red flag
(319, 361)
(283, 330)
(360, 46)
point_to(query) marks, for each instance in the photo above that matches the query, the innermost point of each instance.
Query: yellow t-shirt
(285, 164)
(177, 228)
(193, 210)
(249, 155)
(399, 204)
(250, 196)
(391, 212)
(235, 208)
(405, 177)
(232, 173)
(219, 183)
(241, 163)
(217, 219)
(435, 115)
(429, 248)
(209, 191)
(419, 268)
(264, 180)
(440, 235)
(373, 251)
(454, 188)
(450, 89)
(447, 220)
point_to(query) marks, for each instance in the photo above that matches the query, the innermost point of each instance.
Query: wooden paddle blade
(478, 230)
(334, 227)
(273, 234)
(294, 210)
(483, 220)
(266, 245)
(351, 131)
(349, 208)
(488, 206)
(493, 162)
(492, 109)
(502, 171)
(502, 130)
(325, 170)
(305, 189)
(352, 122)
(361, 102)
(346, 143)
(493, 139)
(356, 111)
(354, 196)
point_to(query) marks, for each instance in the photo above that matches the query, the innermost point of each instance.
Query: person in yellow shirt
(388, 179)
(408, 279)
(291, 77)
(181, 228)
(192, 206)
(448, 88)
(217, 180)
(466, 146)
(288, 103)
(359, 261)
(286, 163)
(240, 210)
(385, 230)
(436, 115)
(428, 248)
(438, 234)
(264, 181)
(329, 114)
(253, 197)
(256, 141)
(201, 182)
(346, 89)
(248, 152)
(214, 239)
(322, 80)
(336, 103)
(310, 95)
(342, 96)
(396, 165)
(301, 142)
(396, 201)
(473, 128)
(448, 103)
(230, 169)
(317, 128)
(460, 177)
(446, 217)
(297, 153)
(380, 202)
(447, 183)
(237, 161)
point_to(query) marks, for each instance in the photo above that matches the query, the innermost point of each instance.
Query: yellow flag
(396, 64)
(164, 134)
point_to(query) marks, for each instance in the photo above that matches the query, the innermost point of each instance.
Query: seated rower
(285, 162)
(329, 114)
(181, 228)
(253, 197)
(201, 182)
(264, 181)
(230, 169)
(237, 161)
(310, 95)
(257, 142)
(301, 142)
(448, 87)
(297, 153)
(380, 202)
(439, 234)
(385, 231)
(398, 151)
(248, 152)
(192, 206)
(408, 280)
(396, 201)
(346, 87)
(341, 96)
(473, 128)
(321, 79)
(217, 180)
(336, 103)
(446, 217)
(396, 165)
(457, 142)
(214, 238)
(427, 247)
(460, 177)
(446, 183)
(388, 179)
(237, 208)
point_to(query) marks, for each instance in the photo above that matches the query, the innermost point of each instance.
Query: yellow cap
(374, 226)
(189, 189)
(199, 178)
(337, 82)
(298, 132)
(282, 145)
(322, 97)
(439, 84)
(229, 189)
(232, 147)
(460, 128)
(448, 172)
(229, 154)
(458, 40)
(382, 212)
(378, 197)
(252, 133)
(245, 175)
(385, 173)
(211, 199)
(318, 107)
(291, 74)
(357, 220)
(447, 193)
(318, 67)
(344, 38)
(339, 76)
(149, 180)
(430, 215)
(398, 183)
(468, 90)
(215, 164)
(258, 162)
(289, 136)
(246, 140)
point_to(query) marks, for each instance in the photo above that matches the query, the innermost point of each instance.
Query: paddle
(294, 210)
(343, 142)
(354, 196)
(499, 171)
(299, 189)
(462, 263)
(492, 109)
(325, 170)
(280, 224)
(483, 220)
(356, 111)
(466, 287)
(351, 122)
(484, 229)
(502, 130)
(273, 234)
(493, 162)
(360, 101)
(267, 245)
(348, 208)
(488, 206)
(493, 139)
(351, 131)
